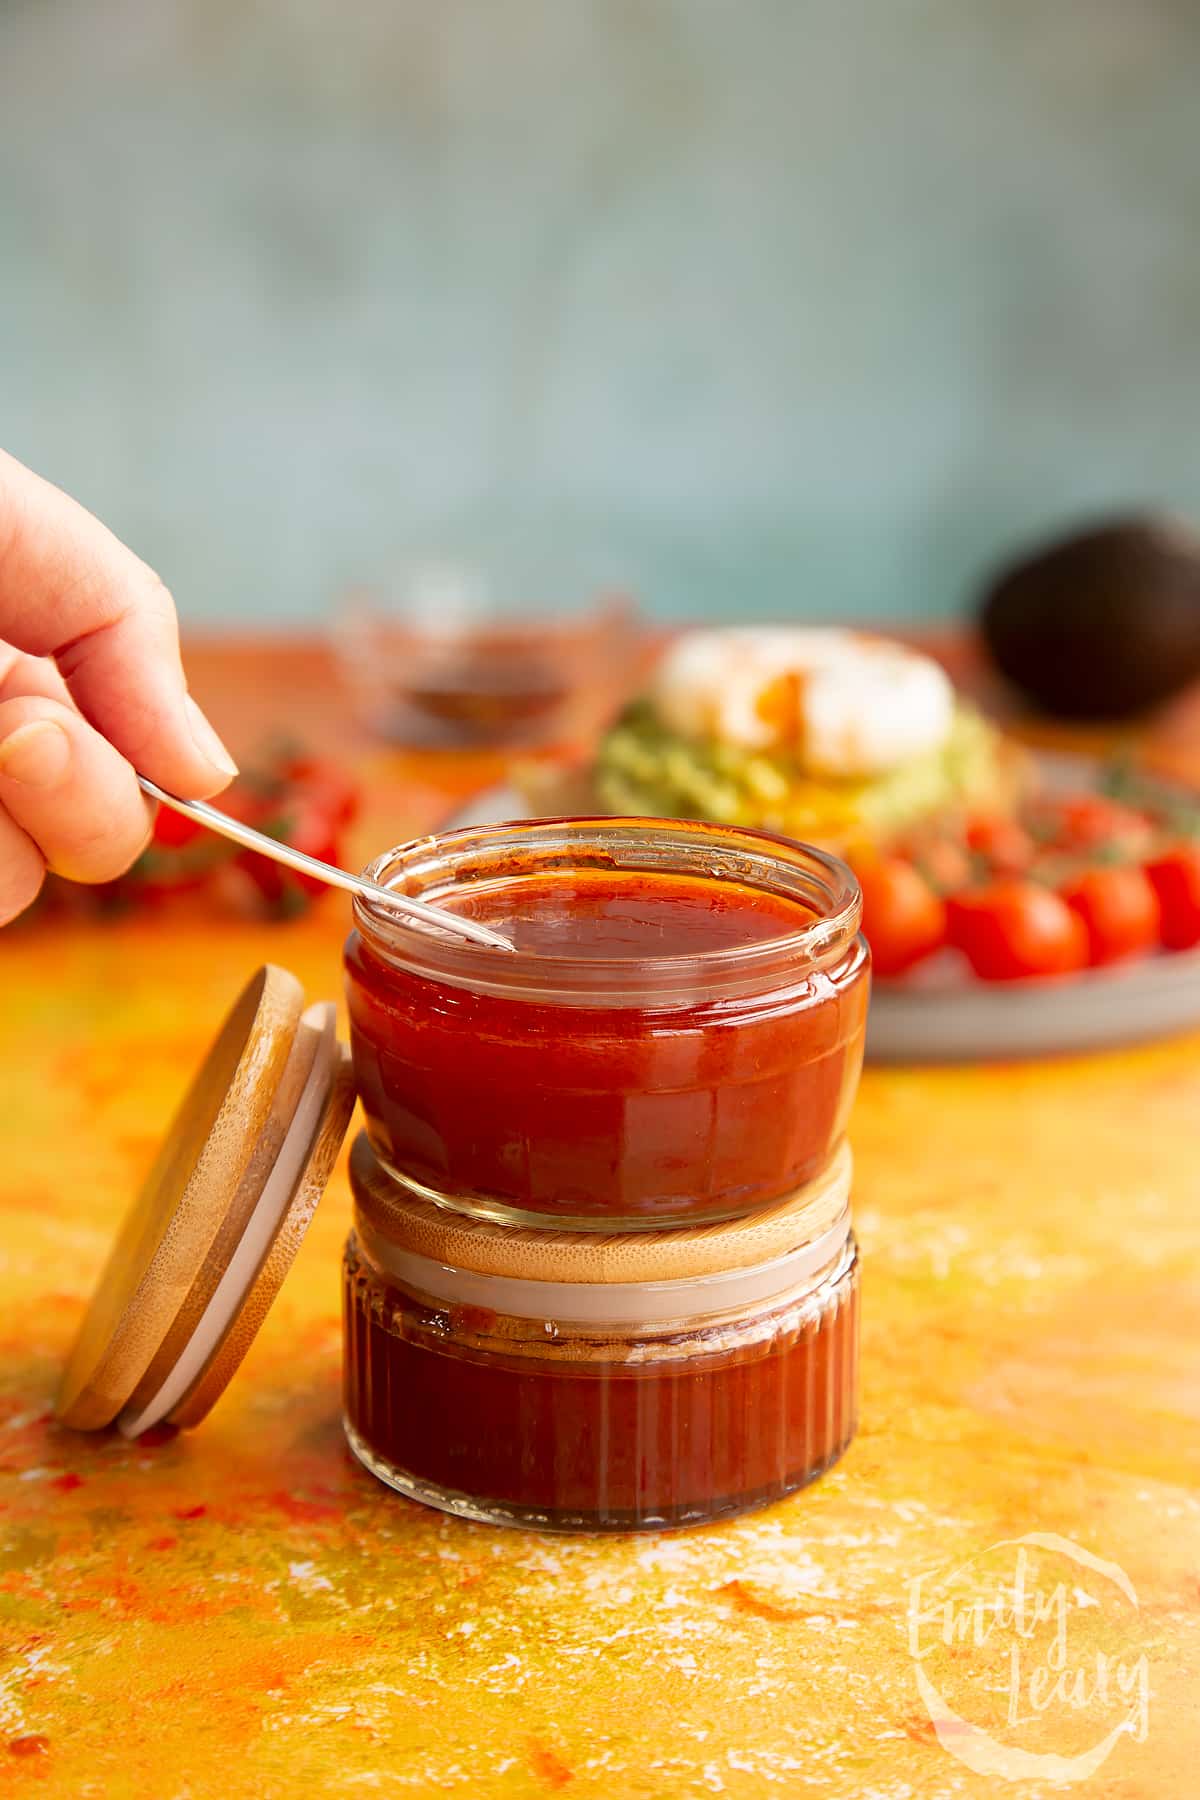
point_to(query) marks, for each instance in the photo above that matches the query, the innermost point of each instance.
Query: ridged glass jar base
(488, 1512)
(535, 1423)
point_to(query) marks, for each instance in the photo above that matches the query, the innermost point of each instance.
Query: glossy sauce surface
(457, 1406)
(602, 914)
(586, 1113)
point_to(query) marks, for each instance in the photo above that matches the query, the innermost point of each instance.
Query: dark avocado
(1102, 624)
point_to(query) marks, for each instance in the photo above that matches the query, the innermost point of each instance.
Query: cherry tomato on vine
(172, 830)
(305, 825)
(943, 861)
(331, 788)
(1093, 822)
(1004, 845)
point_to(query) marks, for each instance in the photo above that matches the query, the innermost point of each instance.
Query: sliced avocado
(642, 767)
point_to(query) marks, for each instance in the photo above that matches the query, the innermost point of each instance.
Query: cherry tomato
(329, 786)
(305, 802)
(1119, 908)
(1012, 929)
(1005, 846)
(1092, 822)
(903, 918)
(943, 861)
(1175, 877)
(172, 831)
(306, 826)
(311, 831)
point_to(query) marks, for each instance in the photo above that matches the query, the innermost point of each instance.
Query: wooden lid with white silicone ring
(206, 1244)
(390, 1216)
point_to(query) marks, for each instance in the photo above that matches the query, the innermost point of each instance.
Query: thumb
(71, 590)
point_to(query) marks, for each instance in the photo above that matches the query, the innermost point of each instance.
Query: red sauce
(602, 914)
(465, 1409)
(654, 1114)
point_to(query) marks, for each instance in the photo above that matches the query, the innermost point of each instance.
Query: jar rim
(782, 866)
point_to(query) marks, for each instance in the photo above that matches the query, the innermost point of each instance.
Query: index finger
(71, 590)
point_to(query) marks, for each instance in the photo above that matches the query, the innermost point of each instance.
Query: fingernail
(206, 740)
(36, 754)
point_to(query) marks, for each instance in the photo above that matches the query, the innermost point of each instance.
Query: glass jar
(677, 1038)
(516, 1393)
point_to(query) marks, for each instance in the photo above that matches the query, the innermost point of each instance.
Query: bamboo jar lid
(212, 1233)
(406, 1221)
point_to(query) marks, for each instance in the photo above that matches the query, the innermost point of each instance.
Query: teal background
(801, 309)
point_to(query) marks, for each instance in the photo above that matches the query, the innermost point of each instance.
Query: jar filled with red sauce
(676, 1039)
(570, 1382)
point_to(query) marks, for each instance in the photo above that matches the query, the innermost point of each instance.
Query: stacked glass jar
(602, 1274)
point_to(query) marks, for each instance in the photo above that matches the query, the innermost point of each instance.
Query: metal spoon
(201, 813)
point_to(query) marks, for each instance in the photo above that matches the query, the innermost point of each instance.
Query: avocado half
(1102, 624)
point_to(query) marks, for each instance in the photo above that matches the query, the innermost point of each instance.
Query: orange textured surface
(241, 1611)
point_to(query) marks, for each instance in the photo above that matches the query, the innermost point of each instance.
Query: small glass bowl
(495, 643)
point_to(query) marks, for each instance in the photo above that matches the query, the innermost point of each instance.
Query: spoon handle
(201, 813)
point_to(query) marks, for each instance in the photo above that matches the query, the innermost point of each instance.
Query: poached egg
(843, 704)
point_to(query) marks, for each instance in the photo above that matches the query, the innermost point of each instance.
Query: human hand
(91, 688)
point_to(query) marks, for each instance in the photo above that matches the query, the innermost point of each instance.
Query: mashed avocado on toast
(644, 768)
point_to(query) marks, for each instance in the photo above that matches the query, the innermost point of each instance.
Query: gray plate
(941, 1014)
